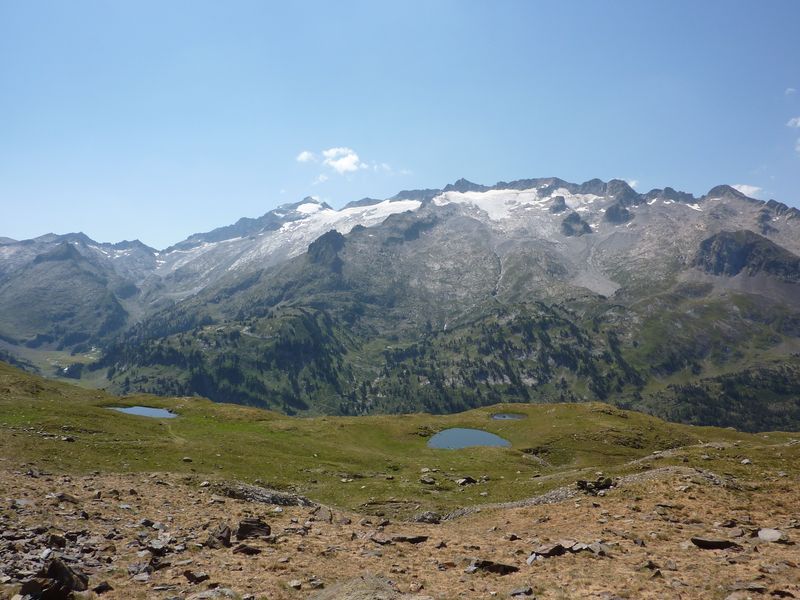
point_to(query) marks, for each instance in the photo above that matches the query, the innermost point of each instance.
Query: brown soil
(647, 522)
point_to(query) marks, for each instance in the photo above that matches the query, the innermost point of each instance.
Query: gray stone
(771, 535)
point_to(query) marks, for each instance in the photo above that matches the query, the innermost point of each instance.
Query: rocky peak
(727, 192)
(733, 252)
(463, 185)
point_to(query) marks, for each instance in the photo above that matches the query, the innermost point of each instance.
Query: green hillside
(358, 462)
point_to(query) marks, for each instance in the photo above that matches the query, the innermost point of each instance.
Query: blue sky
(155, 120)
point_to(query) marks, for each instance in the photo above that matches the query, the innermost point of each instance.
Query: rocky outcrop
(731, 253)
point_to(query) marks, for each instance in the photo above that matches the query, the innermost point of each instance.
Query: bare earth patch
(147, 536)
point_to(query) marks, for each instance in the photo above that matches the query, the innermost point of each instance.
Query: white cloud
(342, 160)
(797, 146)
(748, 190)
(633, 183)
(306, 156)
(795, 122)
(789, 91)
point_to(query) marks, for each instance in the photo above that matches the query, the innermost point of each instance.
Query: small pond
(145, 411)
(458, 437)
(508, 416)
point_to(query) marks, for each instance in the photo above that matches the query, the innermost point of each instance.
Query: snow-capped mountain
(542, 236)
(254, 244)
(437, 300)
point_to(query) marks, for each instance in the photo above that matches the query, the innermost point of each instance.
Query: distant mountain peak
(726, 191)
(464, 185)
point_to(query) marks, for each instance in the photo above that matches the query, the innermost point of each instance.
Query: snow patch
(309, 208)
(294, 237)
(497, 204)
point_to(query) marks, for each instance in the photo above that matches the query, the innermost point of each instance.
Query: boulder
(220, 537)
(252, 527)
(771, 535)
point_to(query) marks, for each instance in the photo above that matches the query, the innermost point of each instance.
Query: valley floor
(146, 534)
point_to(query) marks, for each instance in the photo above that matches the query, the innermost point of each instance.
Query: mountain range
(437, 300)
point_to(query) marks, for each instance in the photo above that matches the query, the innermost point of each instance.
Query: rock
(246, 550)
(427, 480)
(64, 497)
(599, 548)
(33, 588)
(772, 535)
(219, 592)
(315, 584)
(157, 547)
(62, 580)
(21, 503)
(548, 550)
(322, 514)
(220, 537)
(594, 487)
(736, 532)
(523, 591)
(187, 459)
(136, 568)
(650, 565)
(752, 586)
(466, 480)
(410, 539)
(195, 577)
(56, 541)
(102, 588)
(380, 541)
(490, 566)
(252, 527)
(428, 517)
(295, 584)
(746, 461)
(715, 544)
